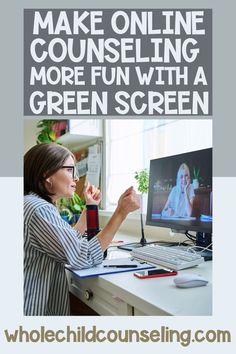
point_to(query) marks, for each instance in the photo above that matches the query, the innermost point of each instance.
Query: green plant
(46, 133)
(142, 178)
(66, 213)
(74, 205)
(196, 173)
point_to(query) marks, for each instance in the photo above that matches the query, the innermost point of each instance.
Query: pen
(120, 266)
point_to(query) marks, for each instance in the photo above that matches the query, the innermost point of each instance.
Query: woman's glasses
(72, 171)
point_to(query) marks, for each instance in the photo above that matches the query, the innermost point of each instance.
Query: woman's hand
(187, 185)
(128, 202)
(92, 194)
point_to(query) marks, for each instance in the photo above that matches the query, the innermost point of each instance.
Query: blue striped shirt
(49, 244)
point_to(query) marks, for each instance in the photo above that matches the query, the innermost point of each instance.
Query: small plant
(196, 173)
(46, 133)
(66, 215)
(142, 178)
(69, 207)
(75, 204)
(50, 130)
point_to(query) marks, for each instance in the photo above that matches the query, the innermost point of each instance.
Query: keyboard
(168, 257)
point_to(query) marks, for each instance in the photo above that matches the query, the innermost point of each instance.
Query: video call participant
(180, 199)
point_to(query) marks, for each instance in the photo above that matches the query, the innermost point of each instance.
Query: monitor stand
(131, 246)
(141, 243)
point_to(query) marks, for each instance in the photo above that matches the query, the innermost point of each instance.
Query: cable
(190, 237)
(203, 248)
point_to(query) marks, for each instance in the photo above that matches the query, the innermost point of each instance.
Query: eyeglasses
(72, 171)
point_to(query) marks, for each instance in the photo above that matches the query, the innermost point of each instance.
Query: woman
(180, 200)
(50, 242)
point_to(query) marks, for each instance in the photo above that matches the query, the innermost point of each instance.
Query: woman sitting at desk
(50, 242)
(180, 199)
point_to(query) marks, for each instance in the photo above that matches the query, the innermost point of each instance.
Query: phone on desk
(153, 273)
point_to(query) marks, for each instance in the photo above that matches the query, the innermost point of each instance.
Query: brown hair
(41, 162)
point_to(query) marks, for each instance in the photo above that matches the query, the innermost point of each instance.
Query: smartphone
(153, 273)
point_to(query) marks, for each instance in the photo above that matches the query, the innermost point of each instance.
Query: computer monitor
(180, 197)
(180, 192)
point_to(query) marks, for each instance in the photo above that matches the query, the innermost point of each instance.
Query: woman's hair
(41, 162)
(183, 167)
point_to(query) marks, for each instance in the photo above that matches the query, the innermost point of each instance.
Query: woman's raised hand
(92, 194)
(128, 202)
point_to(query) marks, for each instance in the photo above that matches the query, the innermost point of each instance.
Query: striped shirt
(49, 244)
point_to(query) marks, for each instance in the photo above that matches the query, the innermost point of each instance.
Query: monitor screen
(180, 192)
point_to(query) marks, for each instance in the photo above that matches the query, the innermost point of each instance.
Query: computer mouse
(189, 280)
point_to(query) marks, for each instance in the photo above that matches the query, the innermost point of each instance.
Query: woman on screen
(180, 199)
(49, 242)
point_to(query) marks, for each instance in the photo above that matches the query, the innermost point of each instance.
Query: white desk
(124, 294)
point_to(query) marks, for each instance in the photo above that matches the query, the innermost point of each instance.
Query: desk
(122, 294)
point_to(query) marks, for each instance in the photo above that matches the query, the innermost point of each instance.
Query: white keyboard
(168, 257)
